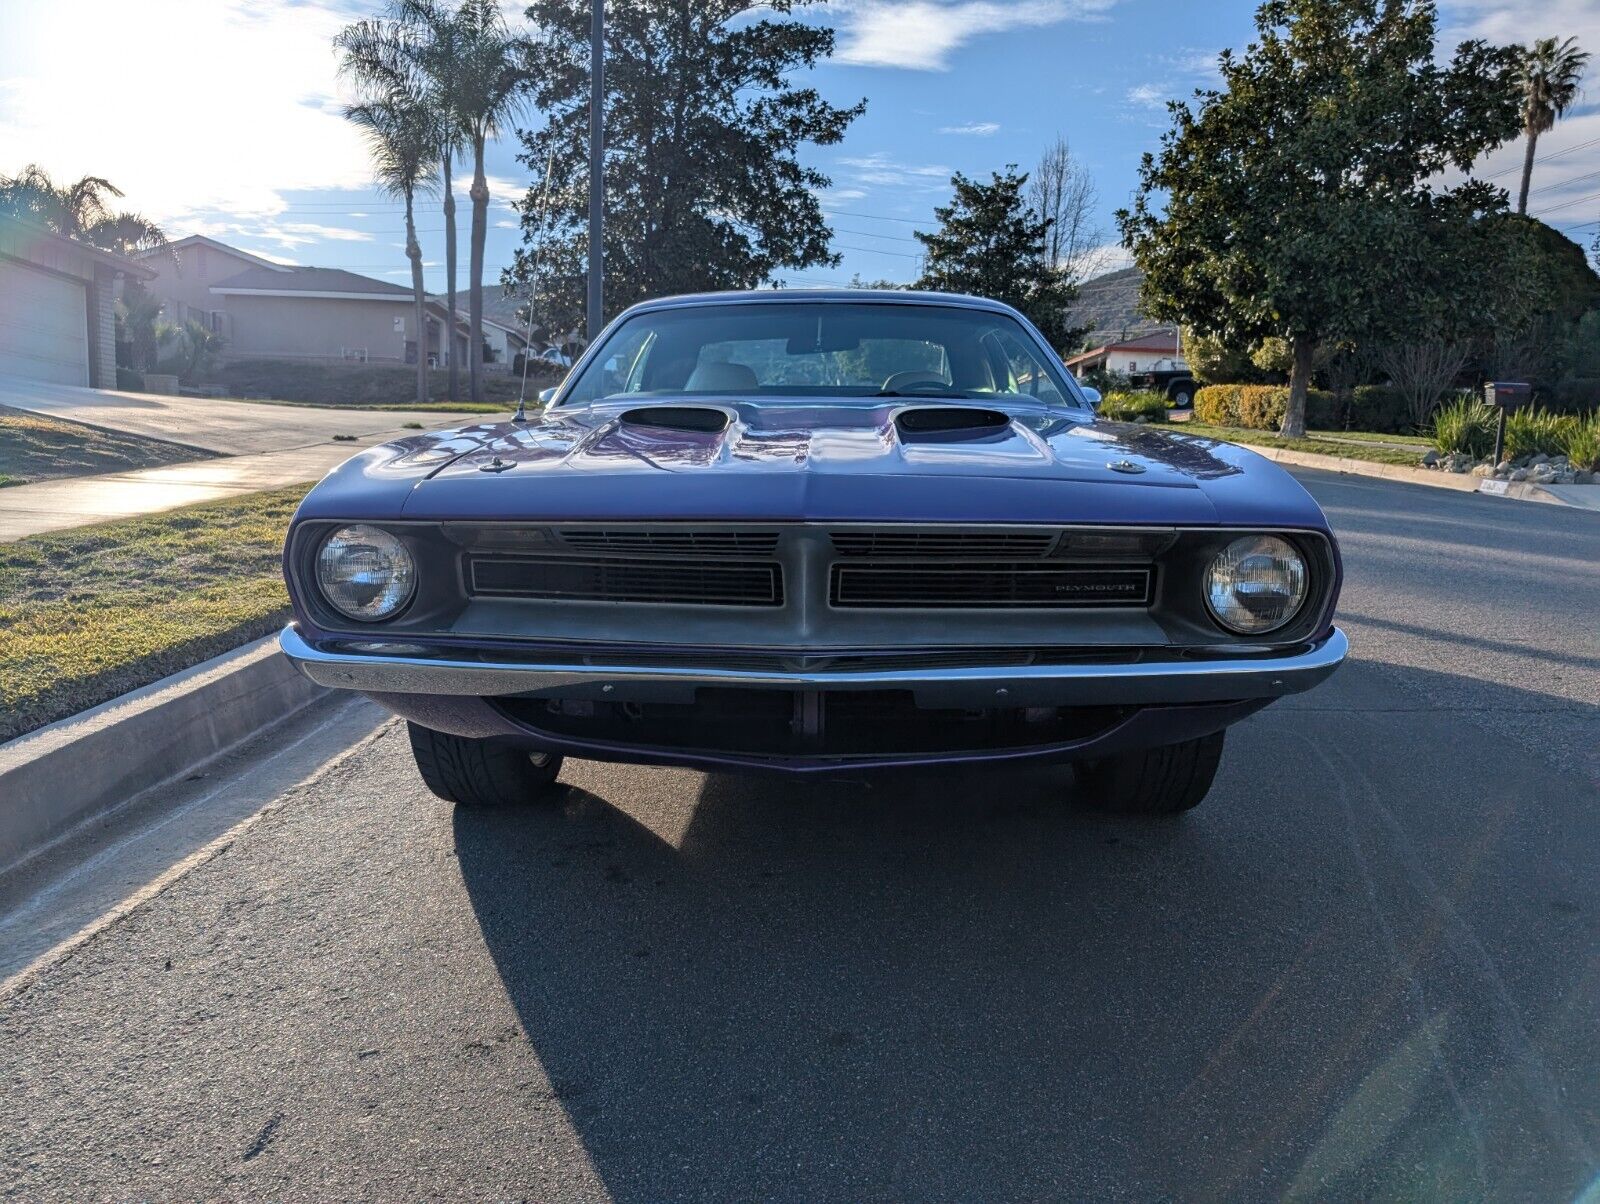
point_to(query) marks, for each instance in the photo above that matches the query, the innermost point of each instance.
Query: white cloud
(977, 129)
(1147, 96)
(248, 109)
(921, 35)
(835, 196)
(883, 170)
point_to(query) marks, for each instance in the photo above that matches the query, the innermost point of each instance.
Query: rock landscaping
(1538, 469)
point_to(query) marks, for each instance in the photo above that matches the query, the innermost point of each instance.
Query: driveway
(1365, 968)
(230, 427)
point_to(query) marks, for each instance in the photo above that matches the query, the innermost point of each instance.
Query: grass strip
(93, 612)
(1311, 443)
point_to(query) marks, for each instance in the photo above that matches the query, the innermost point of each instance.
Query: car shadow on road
(962, 986)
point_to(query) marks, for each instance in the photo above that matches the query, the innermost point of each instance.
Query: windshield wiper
(925, 396)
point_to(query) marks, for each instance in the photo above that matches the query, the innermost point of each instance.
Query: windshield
(822, 350)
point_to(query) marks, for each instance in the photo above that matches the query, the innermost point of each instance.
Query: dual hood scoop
(704, 419)
(950, 420)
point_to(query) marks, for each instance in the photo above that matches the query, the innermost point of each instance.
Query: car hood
(798, 460)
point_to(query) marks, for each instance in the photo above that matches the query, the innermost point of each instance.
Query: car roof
(787, 296)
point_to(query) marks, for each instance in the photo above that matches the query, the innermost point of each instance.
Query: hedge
(1261, 407)
(1257, 407)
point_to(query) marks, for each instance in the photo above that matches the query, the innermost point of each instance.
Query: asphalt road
(1366, 968)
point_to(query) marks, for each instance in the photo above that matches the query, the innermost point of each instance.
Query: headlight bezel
(1248, 546)
(376, 536)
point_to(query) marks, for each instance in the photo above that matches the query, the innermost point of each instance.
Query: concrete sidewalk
(77, 501)
(234, 428)
(263, 446)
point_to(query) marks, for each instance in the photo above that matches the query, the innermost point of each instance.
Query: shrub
(130, 381)
(1217, 405)
(1534, 431)
(1257, 407)
(1380, 408)
(1464, 425)
(1129, 406)
(1576, 394)
(1580, 441)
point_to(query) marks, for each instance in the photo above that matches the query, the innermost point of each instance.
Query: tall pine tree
(703, 184)
(991, 243)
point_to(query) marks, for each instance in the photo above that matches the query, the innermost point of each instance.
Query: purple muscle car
(812, 532)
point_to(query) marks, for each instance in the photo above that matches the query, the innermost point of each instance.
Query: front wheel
(1168, 780)
(481, 773)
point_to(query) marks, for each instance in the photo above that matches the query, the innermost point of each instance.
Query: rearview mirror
(1092, 396)
(546, 396)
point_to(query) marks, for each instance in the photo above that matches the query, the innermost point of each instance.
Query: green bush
(1576, 394)
(130, 381)
(1464, 425)
(1258, 407)
(1535, 431)
(363, 384)
(1580, 441)
(1128, 406)
(1380, 408)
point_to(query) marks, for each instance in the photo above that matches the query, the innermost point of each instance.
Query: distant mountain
(1109, 306)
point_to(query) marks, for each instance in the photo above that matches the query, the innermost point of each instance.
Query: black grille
(672, 542)
(660, 582)
(906, 586)
(940, 544)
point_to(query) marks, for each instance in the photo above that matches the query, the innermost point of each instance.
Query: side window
(1027, 372)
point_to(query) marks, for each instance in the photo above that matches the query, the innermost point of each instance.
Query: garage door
(44, 326)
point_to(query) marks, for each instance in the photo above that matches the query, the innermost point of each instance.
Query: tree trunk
(480, 228)
(1294, 415)
(1527, 170)
(447, 344)
(420, 299)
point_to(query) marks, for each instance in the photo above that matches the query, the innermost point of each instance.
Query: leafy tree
(201, 345)
(1302, 199)
(992, 243)
(402, 134)
(138, 319)
(704, 188)
(1547, 78)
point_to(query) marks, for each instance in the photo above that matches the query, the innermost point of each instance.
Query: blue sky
(222, 118)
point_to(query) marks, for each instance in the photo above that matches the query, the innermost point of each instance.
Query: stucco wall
(317, 327)
(188, 281)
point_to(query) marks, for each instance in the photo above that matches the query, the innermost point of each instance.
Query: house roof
(200, 240)
(37, 233)
(320, 281)
(1165, 339)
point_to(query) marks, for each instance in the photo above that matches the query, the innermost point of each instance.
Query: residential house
(1158, 350)
(56, 318)
(270, 310)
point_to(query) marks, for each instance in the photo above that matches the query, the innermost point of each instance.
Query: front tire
(1168, 780)
(482, 773)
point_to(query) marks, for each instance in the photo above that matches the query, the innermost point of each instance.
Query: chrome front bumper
(1168, 682)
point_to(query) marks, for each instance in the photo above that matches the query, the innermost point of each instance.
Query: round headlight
(1256, 584)
(365, 573)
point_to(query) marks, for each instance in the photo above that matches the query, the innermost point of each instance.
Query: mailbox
(1507, 394)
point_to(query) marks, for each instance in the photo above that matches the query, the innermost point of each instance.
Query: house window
(1133, 365)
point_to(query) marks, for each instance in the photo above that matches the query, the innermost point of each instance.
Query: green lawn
(1351, 444)
(90, 613)
(36, 448)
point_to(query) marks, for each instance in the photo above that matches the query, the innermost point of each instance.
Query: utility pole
(597, 182)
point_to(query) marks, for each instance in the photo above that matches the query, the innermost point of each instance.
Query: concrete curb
(1460, 482)
(76, 770)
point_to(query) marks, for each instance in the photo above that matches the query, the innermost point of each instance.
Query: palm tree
(1548, 78)
(402, 134)
(77, 210)
(416, 48)
(483, 61)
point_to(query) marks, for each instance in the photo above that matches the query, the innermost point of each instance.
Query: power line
(1550, 158)
(1593, 196)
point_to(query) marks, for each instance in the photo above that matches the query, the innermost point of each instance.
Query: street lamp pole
(597, 92)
